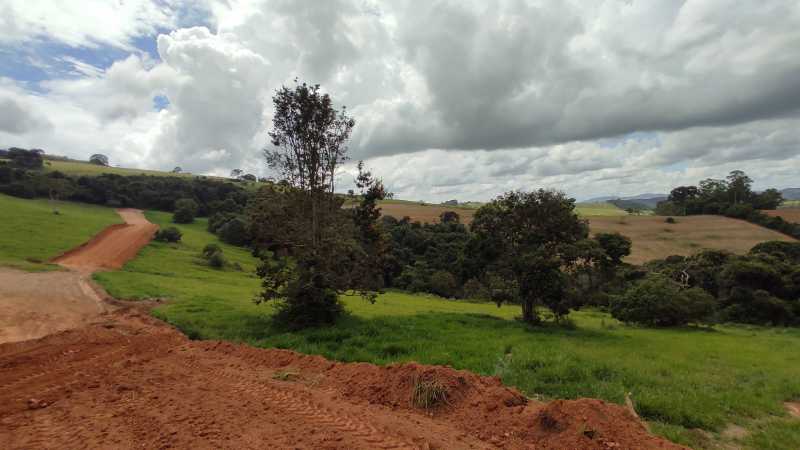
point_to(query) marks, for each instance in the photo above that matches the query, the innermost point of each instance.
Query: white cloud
(452, 99)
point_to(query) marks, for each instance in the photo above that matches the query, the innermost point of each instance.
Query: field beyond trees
(691, 384)
(654, 238)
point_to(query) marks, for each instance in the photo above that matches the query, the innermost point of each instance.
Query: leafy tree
(521, 237)
(769, 199)
(474, 289)
(309, 138)
(615, 246)
(99, 159)
(185, 211)
(234, 232)
(249, 177)
(25, 159)
(236, 173)
(444, 284)
(658, 301)
(177, 169)
(739, 186)
(449, 217)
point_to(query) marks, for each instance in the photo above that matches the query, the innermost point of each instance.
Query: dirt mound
(112, 247)
(131, 381)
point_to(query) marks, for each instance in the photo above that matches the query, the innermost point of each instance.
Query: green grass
(31, 234)
(599, 209)
(791, 204)
(79, 168)
(680, 379)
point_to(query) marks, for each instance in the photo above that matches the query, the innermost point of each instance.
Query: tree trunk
(529, 312)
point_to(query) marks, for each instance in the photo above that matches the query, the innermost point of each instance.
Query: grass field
(31, 234)
(654, 238)
(791, 204)
(788, 214)
(79, 168)
(689, 383)
(429, 213)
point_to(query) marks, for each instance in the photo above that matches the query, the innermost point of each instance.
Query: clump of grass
(286, 375)
(428, 393)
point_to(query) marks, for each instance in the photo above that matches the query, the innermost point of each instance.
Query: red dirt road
(127, 380)
(113, 247)
(130, 381)
(33, 305)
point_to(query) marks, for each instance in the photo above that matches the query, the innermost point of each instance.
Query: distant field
(788, 214)
(84, 168)
(653, 238)
(31, 234)
(791, 204)
(681, 379)
(429, 213)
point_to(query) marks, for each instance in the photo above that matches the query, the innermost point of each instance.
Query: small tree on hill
(99, 159)
(521, 239)
(185, 211)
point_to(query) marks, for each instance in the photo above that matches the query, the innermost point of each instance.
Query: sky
(452, 99)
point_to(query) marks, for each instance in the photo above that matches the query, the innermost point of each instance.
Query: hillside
(429, 213)
(654, 238)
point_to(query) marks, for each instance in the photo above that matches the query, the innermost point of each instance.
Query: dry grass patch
(428, 393)
(653, 239)
(788, 214)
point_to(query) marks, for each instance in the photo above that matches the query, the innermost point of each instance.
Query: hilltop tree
(521, 240)
(739, 186)
(177, 169)
(236, 173)
(318, 249)
(99, 159)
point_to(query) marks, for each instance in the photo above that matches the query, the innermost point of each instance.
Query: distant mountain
(791, 193)
(643, 201)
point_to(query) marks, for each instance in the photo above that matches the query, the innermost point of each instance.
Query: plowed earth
(127, 380)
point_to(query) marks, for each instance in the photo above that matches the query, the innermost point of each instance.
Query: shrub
(474, 289)
(658, 301)
(670, 220)
(758, 307)
(234, 232)
(185, 211)
(779, 249)
(216, 260)
(210, 249)
(443, 284)
(169, 234)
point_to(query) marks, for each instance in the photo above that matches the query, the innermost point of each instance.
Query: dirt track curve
(127, 380)
(33, 305)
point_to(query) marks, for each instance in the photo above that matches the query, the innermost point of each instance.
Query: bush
(216, 260)
(670, 220)
(475, 290)
(185, 211)
(210, 249)
(444, 284)
(779, 249)
(758, 307)
(658, 301)
(234, 232)
(169, 234)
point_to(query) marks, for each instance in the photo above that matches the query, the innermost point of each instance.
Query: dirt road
(33, 305)
(113, 247)
(127, 380)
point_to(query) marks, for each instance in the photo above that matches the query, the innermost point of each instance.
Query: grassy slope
(30, 234)
(680, 379)
(78, 168)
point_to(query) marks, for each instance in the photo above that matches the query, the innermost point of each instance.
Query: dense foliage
(731, 197)
(762, 287)
(168, 234)
(136, 191)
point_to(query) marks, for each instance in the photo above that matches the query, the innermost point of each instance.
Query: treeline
(731, 197)
(23, 177)
(762, 287)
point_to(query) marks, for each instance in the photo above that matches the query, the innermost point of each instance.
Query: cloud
(453, 99)
(19, 119)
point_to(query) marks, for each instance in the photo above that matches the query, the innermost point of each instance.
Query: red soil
(112, 247)
(131, 381)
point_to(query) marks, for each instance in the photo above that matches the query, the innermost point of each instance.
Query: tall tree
(325, 248)
(739, 186)
(523, 236)
(99, 159)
